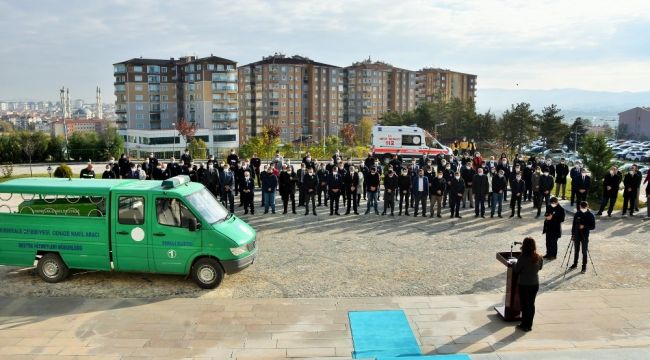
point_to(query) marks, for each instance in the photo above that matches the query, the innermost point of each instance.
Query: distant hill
(573, 102)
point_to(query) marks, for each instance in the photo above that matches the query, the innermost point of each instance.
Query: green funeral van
(172, 227)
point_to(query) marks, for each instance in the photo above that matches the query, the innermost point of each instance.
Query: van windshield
(204, 202)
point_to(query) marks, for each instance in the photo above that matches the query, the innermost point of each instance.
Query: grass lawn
(21, 176)
(595, 204)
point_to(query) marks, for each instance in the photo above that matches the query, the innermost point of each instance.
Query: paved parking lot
(358, 256)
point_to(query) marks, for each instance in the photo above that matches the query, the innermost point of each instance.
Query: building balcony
(121, 121)
(120, 111)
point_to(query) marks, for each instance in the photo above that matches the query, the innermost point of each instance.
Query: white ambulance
(405, 142)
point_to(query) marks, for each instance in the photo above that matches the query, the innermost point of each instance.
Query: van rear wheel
(207, 273)
(52, 269)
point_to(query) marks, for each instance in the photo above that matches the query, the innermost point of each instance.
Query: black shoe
(252, 212)
(574, 266)
(491, 216)
(551, 258)
(391, 214)
(356, 213)
(519, 216)
(246, 212)
(483, 216)
(609, 214)
(414, 214)
(272, 212)
(307, 213)
(459, 217)
(476, 215)
(284, 212)
(525, 329)
(407, 214)
(337, 213)
(584, 269)
(376, 212)
(512, 215)
(500, 216)
(331, 213)
(367, 212)
(294, 212)
(599, 214)
(347, 212)
(424, 215)
(266, 211)
(438, 216)
(431, 215)
(315, 213)
(537, 216)
(383, 213)
(451, 216)
(545, 257)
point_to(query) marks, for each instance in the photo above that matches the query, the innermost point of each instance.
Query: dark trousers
(351, 197)
(527, 295)
(389, 201)
(343, 194)
(608, 198)
(628, 200)
(573, 193)
(479, 204)
(515, 201)
(301, 195)
(542, 201)
(247, 199)
(580, 241)
(257, 177)
(551, 245)
(228, 198)
(454, 204)
(529, 192)
(334, 202)
(580, 196)
(310, 197)
(285, 201)
(404, 196)
(421, 198)
(322, 190)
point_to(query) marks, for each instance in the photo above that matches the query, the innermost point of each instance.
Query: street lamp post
(173, 139)
(435, 128)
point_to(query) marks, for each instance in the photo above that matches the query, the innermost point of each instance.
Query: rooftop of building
(432, 69)
(379, 65)
(282, 59)
(179, 61)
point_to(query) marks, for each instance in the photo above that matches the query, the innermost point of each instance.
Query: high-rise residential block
(434, 84)
(373, 88)
(302, 97)
(153, 95)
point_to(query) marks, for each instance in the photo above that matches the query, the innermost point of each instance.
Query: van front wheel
(207, 273)
(51, 268)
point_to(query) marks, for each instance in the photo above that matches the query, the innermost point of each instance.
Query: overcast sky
(586, 44)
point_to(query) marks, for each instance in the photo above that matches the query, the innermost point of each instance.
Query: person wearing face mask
(537, 196)
(561, 172)
(582, 185)
(301, 175)
(467, 173)
(173, 168)
(404, 184)
(574, 174)
(351, 182)
(553, 219)
(390, 187)
(611, 183)
(545, 188)
(362, 188)
(480, 188)
(269, 184)
(342, 189)
(499, 188)
(310, 184)
(232, 159)
(147, 169)
(438, 187)
(456, 191)
(583, 222)
(373, 183)
(421, 192)
(158, 173)
(186, 158)
(631, 184)
(518, 189)
(527, 176)
(647, 194)
(334, 184)
(256, 164)
(152, 160)
(322, 175)
(504, 165)
(108, 173)
(227, 183)
(287, 181)
(211, 179)
(448, 175)
(247, 192)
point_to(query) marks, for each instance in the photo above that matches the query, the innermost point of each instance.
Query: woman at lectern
(527, 267)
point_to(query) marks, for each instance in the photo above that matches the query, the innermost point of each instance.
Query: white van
(405, 142)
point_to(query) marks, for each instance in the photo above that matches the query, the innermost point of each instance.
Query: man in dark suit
(545, 188)
(631, 183)
(390, 188)
(499, 188)
(553, 219)
(574, 174)
(310, 184)
(481, 188)
(582, 184)
(420, 192)
(351, 182)
(247, 188)
(372, 182)
(334, 186)
(321, 175)
(456, 191)
(518, 189)
(211, 180)
(437, 188)
(173, 168)
(583, 222)
(227, 182)
(611, 183)
(561, 172)
(467, 173)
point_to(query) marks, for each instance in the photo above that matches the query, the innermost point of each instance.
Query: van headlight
(236, 251)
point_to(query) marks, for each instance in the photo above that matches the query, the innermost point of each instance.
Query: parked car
(635, 155)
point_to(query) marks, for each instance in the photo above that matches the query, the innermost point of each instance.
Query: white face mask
(518, 177)
(480, 174)
(545, 174)
(247, 177)
(469, 166)
(631, 172)
(457, 177)
(439, 176)
(210, 167)
(529, 166)
(611, 172)
(504, 162)
(584, 210)
(553, 205)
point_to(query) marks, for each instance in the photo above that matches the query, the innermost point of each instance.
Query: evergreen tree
(596, 156)
(551, 128)
(517, 126)
(577, 132)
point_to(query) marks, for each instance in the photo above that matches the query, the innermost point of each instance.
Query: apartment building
(304, 98)
(373, 88)
(432, 83)
(635, 123)
(154, 94)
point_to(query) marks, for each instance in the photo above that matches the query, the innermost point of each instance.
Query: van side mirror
(192, 224)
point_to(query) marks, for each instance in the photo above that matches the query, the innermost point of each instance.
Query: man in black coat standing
(582, 184)
(404, 185)
(481, 188)
(631, 183)
(334, 185)
(287, 185)
(561, 172)
(256, 163)
(232, 159)
(372, 182)
(310, 184)
(499, 188)
(390, 187)
(247, 188)
(553, 219)
(420, 192)
(351, 182)
(583, 222)
(518, 189)
(437, 187)
(545, 188)
(321, 175)
(456, 191)
(611, 183)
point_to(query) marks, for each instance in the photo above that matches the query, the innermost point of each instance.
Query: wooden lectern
(510, 310)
